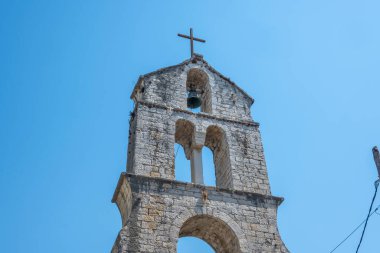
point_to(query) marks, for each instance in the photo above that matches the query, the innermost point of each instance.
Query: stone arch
(213, 231)
(198, 79)
(184, 134)
(216, 140)
(187, 218)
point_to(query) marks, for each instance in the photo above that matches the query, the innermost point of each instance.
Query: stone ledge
(177, 184)
(201, 114)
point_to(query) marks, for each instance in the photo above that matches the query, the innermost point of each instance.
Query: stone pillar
(196, 157)
(196, 166)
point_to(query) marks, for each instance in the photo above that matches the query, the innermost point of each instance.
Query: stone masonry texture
(239, 214)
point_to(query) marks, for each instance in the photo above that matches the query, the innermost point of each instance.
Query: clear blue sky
(67, 69)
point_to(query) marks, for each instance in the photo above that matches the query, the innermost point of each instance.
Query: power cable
(345, 239)
(376, 157)
(369, 212)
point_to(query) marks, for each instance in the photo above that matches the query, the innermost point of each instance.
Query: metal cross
(191, 38)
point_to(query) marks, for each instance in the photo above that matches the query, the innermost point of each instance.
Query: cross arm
(188, 37)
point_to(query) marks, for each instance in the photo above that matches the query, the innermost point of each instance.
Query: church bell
(193, 100)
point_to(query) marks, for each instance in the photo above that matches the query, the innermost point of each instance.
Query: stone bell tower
(239, 215)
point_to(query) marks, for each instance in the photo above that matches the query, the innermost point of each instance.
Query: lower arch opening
(213, 231)
(190, 244)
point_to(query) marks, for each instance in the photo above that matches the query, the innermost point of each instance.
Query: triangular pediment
(196, 60)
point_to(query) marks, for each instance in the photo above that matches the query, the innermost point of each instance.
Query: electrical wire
(345, 239)
(369, 212)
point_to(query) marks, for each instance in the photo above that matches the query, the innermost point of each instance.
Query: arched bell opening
(214, 231)
(198, 91)
(216, 140)
(184, 132)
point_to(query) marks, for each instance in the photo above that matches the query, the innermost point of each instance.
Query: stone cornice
(178, 184)
(204, 115)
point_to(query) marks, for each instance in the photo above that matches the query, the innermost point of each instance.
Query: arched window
(184, 132)
(210, 164)
(208, 167)
(216, 140)
(182, 164)
(197, 80)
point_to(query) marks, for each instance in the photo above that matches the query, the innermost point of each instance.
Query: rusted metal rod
(376, 157)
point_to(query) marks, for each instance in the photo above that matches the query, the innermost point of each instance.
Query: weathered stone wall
(131, 142)
(168, 87)
(164, 210)
(153, 153)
